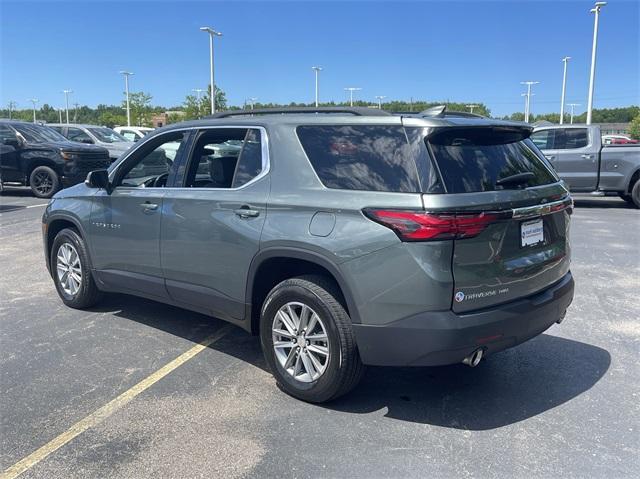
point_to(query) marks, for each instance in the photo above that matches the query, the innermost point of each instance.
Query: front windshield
(38, 133)
(107, 135)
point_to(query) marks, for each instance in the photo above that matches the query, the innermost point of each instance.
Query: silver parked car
(95, 135)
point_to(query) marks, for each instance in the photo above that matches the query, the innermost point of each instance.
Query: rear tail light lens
(423, 226)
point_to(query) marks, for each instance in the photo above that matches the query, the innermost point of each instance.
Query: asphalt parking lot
(566, 404)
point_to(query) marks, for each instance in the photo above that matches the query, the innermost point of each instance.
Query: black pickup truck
(41, 158)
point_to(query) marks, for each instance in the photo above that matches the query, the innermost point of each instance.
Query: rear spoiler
(482, 134)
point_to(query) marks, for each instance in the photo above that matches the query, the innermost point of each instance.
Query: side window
(57, 128)
(149, 166)
(572, 138)
(361, 157)
(543, 139)
(225, 158)
(76, 134)
(129, 135)
(6, 133)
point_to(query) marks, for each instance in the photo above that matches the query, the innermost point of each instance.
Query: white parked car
(133, 133)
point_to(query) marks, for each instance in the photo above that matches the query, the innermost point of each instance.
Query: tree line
(194, 107)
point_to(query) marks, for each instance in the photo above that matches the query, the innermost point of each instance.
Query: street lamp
(34, 101)
(252, 101)
(351, 89)
(317, 71)
(12, 105)
(66, 102)
(212, 33)
(380, 98)
(565, 60)
(596, 10)
(528, 95)
(198, 91)
(126, 91)
(572, 105)
(471, 107)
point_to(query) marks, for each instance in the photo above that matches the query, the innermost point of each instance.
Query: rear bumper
(444, 337)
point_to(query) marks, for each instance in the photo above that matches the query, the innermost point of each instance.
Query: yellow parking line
(108, 409)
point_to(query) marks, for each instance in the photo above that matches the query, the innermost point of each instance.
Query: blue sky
(457, 50)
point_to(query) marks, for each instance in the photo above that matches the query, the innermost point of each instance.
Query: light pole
(212, 33)
(75, 112)
(380, 98)
(528, 102)
(66, 102)
(252, 101)
(198, 91)
(34, 101)
(572, 105)
(596, 10)
(12, 105)
(471, 107)
(351, 89)
(565, 60)
(317, 71)
(60, 115)
(126, 91)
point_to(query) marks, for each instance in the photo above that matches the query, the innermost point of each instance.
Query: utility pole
(12, 105)
(212, 33)
(33, 101)
(380, 98)
(351, 89)
(565, 60)
(317, 71)
(66, 102)
(596, 10)
(572, 105)
(471, 107)
(126, 91)
(527, 109)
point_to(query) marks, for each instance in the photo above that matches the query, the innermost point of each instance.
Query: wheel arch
(55, 224)
(635, 176)
(273, 265)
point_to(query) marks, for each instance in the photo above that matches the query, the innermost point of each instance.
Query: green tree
(140, 105)
(634, 128)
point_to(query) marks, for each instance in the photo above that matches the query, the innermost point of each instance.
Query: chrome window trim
(266, 160)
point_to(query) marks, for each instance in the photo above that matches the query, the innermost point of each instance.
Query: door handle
(549, 157)
(587, 157)
(146, 206)
(246, 212)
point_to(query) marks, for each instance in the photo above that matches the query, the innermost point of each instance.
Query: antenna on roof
(434, 111)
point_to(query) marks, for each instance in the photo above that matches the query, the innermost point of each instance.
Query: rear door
(213, 220)
(510, 211)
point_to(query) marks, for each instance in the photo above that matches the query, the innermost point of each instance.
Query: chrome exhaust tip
(474, 358)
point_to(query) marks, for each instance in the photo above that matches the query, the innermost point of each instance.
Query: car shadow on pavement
(608, 202)
(505, 388)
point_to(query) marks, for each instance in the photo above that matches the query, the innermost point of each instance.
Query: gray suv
(343, 237)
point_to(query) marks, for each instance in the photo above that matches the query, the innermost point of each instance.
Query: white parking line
(108, 409)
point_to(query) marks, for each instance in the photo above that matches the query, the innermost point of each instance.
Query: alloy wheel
(69, 269)
(42, 182)
(300, 342)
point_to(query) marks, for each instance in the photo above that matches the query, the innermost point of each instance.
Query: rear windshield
(473, 160)
(369, 157)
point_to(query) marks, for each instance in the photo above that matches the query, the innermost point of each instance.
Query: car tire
(44, 182)
(71, 270)
(635, 194)
(339, 370)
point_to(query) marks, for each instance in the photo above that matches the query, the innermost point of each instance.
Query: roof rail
(356, 111)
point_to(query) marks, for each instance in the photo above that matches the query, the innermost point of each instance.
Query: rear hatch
(508, 214)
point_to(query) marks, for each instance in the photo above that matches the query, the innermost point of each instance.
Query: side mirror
(98, 179)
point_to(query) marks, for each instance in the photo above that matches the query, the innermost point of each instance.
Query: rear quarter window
(474, 160)
(361, 157)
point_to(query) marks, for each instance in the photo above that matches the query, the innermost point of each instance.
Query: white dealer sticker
(531, 232)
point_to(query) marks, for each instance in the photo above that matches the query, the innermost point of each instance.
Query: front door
(211, 225)
(9, 155)
(125, 223)
(576, 158)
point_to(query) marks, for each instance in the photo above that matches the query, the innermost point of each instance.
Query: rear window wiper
(516, 179)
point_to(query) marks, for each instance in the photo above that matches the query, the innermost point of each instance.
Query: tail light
(424, 226)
